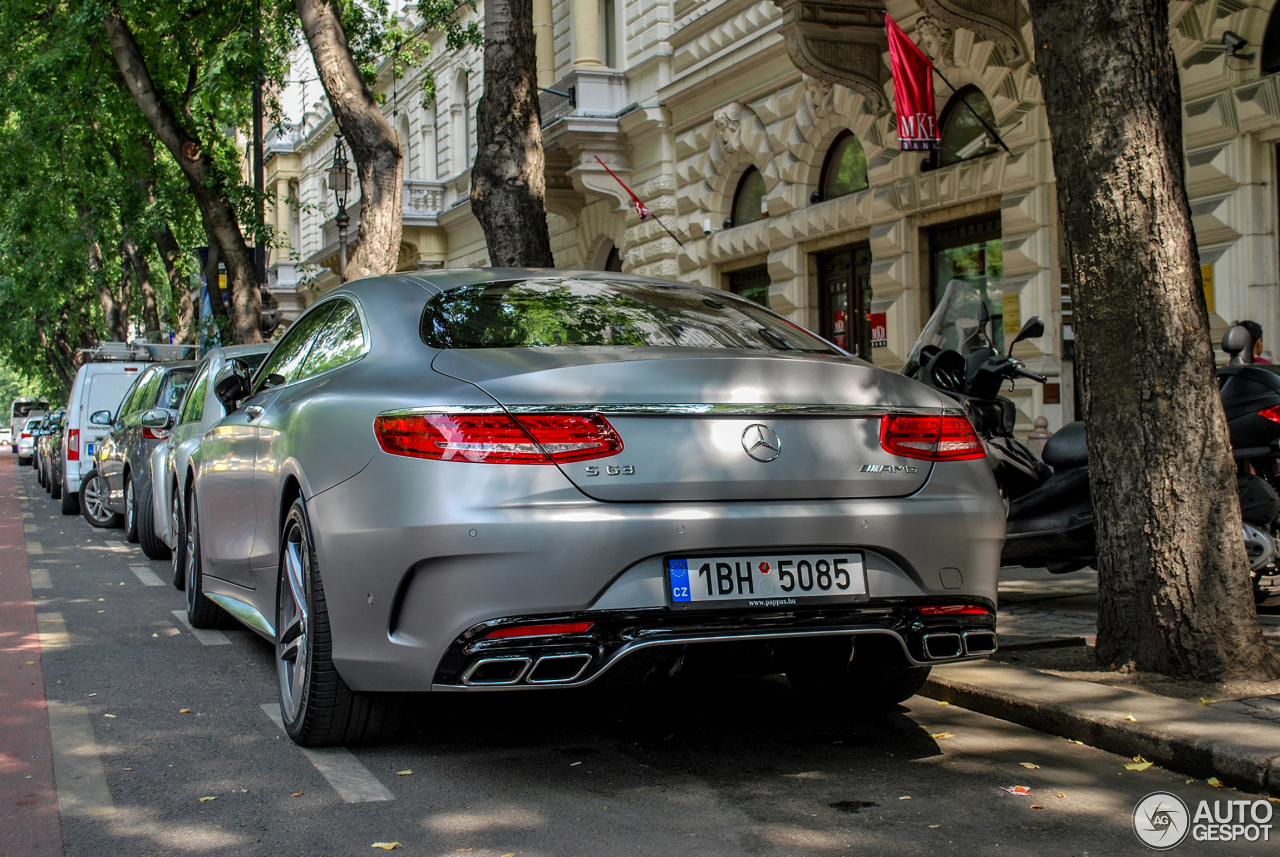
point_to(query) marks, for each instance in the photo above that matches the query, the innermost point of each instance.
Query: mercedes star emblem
(761, 443)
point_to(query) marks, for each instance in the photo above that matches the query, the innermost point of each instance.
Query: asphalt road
(726, 766)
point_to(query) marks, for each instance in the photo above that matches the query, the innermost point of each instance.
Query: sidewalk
(1236, 741)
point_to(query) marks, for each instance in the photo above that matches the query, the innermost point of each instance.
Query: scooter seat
(1066, 448)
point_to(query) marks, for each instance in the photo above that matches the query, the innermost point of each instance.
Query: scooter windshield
(956, 325)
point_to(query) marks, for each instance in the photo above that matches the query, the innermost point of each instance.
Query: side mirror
(232, 386)
(160, 419)
(1033, 329)
(1238, 344)
(100, 418)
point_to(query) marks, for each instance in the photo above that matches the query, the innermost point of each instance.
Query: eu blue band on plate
(679, 580)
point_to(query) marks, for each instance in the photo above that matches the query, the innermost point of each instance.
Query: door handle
(253, 412)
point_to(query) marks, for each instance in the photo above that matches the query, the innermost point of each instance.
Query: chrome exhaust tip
(979, 642)
(496, 671)
(942, 646)
(559, 669)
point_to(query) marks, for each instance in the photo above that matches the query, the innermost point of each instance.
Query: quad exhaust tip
(942, 646)
(516, 669)
(979, 642)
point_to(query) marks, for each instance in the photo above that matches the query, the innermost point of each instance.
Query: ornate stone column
(544, 37)
(586, 34)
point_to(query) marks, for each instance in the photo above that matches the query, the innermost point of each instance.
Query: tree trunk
(142, 275)
(508, 182)
(1174, 593)
(178, 287)
(212, 280)
(379, 162)
(206, 182)
(125, 294)
(98, 274)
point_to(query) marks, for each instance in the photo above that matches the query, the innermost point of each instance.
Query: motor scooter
(1050, 520)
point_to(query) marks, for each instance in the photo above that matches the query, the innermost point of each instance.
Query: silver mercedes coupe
(500, 480)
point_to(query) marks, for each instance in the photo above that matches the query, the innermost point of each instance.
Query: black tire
(318, 709)
(201, 612)
(130, 510)
(55, 482)
(93, 499)
(152, 545)
(70, 501)
(39, 466)
(872, 674)
(178, 525)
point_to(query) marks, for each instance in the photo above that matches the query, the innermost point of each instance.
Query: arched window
(1271, 44)
(748, 200)
(963, 135)
(613, 262)
(406, 145)
(845, 170)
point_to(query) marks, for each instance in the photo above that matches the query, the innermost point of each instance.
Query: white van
(100, 385)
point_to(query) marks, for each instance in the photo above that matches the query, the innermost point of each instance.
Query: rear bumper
(411, 561)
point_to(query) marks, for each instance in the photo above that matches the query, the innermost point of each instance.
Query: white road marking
(77, 764)
(30, 528)
(34, 548)
(53, 632)
(351, 780)
(146, 575)
(207, 637)
(40, 579)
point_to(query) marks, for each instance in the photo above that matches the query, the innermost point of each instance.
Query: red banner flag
(912, 91)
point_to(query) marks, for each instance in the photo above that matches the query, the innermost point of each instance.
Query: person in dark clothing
(1255, 333)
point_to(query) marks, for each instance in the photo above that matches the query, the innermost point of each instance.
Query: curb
(1180, 736)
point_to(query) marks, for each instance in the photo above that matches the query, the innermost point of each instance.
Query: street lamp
(340, 184)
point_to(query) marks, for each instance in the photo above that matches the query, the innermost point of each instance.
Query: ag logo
(1161, 820)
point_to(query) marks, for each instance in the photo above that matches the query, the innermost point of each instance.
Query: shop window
(748, 200)
(609, 24)
(845, 277)
(971, 251)
(845, 170)
(751, 283)
(963, 134)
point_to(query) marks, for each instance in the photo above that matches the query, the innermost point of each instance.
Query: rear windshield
(539, 313)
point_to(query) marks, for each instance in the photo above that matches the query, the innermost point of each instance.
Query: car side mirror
(160, 419)
(1238, 343)
(1033, 329)
(100, 418)
(232, 386)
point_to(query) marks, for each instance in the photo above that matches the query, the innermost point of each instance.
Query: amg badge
(888, 468)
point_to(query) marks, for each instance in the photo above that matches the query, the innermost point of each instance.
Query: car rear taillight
(944, 437)
(1272, 413)
(551, 630)
(73, 444)
(953, 610)
(498, 438)
(154, 434)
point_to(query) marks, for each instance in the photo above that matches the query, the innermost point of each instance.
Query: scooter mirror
(1031, 330)
(1238, 344)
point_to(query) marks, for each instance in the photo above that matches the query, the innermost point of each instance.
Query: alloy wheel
(192, 536)
(293, 639)
(128, 505)
(94, 499)
(175, 524)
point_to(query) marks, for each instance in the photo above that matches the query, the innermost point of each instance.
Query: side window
(127, 402)
(148, 388)
(175, 384)
(340, 341)
(193, 405)
(292, 350)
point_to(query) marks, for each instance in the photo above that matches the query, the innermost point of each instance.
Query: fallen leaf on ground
(1189, 782)
(1131, 718)
(184, 710)
(1074, 741)
(934, 826)
(387, 846)
(512, 854)
(1029, 766)
(1020, 791)
(1137, 766)
(155, 635)
(944, 703)
(128, 769)
(1274, 799)
(1215, 782)
(1204, 701)
(1060, 794)
(296, 794)
(941, 735)
(404, 773)
(1036, 806)
(571, 764)
(212, 797)
(31, 663)
(112, 716)
(905, 797)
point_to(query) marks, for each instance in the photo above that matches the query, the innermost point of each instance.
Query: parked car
(53, 457)
(6, 438)
(199, 410)
(107, 373)
(26, 437)
(479, 480)
(49, 431)
(123, 460)
(19, 410)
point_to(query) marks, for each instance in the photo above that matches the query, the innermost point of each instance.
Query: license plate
(88, 449)
(765, 580)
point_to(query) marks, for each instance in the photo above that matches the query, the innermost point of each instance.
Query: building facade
(761, 132)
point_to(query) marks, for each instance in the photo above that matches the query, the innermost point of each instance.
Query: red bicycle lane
(29, 822)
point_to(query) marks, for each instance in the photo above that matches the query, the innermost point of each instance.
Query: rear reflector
(931, 438)
(498, 438)
(541, 630)
(953, 610)
(73, 444)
